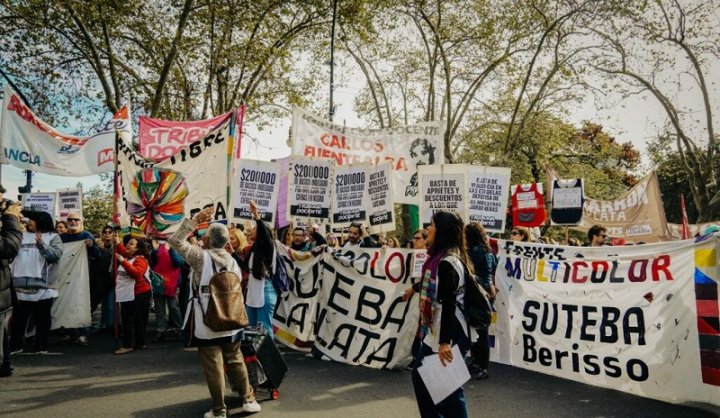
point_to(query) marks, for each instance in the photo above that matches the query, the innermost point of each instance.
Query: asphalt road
(167, 381)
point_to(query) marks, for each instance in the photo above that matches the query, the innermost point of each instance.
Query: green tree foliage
(180, 60)
(608, 166)
(673, 181)
(97, 208)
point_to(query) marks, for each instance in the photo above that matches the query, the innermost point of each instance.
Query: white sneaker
(211, 414)
(251, 407)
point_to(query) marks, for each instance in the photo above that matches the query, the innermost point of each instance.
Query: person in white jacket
(214, 348)
(35, 280)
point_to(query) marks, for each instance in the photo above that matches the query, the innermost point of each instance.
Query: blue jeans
(453, 406)
(264, 315)
(107, 313)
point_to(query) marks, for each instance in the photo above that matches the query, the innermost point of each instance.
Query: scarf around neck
(428, 289)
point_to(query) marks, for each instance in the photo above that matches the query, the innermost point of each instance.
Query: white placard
(351, 195)
(258, 181)
(381, 215)
(310, 185)
(489, 190)
(69, 200)
(443, 188)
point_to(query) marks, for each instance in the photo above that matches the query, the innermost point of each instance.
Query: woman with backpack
(484, 264)
(133, 292)
(442, 323)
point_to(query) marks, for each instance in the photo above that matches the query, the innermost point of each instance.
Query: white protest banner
(379, 206)
(69, 200)
(443, 188)
(351, 192)
(639, 319)
(362, 318)
(695, 229)
(294, 317)
(156, 196)
(159, 139)
(30, 143)
(405, 147)
(258, 181)
(310, 185)
(44, 202)
(71, 309)
(489, 189)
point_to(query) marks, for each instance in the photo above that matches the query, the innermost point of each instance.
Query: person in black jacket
(10, 239)
(443, 274)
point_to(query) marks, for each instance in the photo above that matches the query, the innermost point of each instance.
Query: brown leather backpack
(226, 305)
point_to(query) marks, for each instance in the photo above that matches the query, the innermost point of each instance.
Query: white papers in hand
(441, 381)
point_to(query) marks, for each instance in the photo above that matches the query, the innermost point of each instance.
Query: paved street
(166, 381)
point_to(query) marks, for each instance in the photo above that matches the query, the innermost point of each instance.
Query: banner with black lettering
(640, 319)
(69, 200)
(381, 215)
(155, 197)
(44, 202)
(258, 181)
(294, 317)
(443, 188)
(362, 319)
(351, 193)
(310, 185)
(405, 147)
(489, 188)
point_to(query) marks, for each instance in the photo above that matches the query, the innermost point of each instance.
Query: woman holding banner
(442, 324)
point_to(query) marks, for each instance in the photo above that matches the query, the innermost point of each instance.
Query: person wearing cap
(10, 239)
(216, 349)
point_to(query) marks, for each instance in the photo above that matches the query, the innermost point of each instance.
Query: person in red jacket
(132, 291)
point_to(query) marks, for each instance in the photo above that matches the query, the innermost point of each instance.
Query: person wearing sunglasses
(76, 232)
(597, 235)
(520, 233)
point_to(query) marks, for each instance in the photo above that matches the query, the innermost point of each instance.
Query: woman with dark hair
(484, 263)
(61, 227)
(132, 291)
(261, 294)
(442, 323)
(35, 280)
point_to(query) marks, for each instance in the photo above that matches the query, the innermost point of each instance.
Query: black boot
(6, 369)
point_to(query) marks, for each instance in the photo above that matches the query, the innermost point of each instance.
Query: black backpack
(476, 306)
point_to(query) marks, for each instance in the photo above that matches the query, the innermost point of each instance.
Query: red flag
(685, 223)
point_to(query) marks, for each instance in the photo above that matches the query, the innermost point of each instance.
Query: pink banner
(160, 139)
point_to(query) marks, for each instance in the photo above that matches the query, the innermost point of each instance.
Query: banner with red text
(639, 319)
(156, 196)
(405, 147)
(159, 139)
(32, 144)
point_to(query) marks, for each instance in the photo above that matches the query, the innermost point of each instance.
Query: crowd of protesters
(120, 270)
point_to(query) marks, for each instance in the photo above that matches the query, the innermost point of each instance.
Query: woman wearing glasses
(442, 324)
(520, 233)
